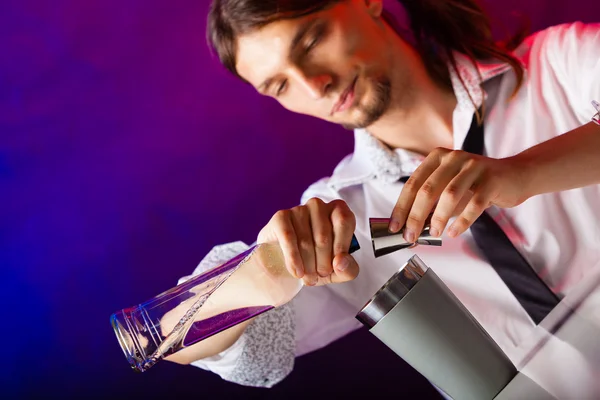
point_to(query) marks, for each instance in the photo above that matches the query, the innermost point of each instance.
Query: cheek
(343, 44)
(365, 45)
(358, 36)
(368, 51)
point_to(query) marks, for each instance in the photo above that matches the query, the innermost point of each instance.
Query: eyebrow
(298, 36)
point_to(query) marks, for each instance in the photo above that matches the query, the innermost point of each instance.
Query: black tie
(529, 289)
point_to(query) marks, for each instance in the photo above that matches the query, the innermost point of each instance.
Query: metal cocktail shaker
(417, 316)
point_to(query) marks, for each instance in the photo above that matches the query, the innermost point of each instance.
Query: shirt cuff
(268, 350)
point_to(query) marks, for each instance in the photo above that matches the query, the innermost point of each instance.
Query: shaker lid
(392, 292)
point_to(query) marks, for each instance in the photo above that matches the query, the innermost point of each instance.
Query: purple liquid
(200, 330)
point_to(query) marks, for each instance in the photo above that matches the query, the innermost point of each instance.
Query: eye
(318, 34)
(312, 44)
(281, 88)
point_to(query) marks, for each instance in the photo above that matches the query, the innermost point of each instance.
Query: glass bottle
(244, 287)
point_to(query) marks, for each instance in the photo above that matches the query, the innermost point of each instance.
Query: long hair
(439, 28)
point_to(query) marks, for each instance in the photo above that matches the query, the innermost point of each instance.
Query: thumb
(345, 268)
(265, 235)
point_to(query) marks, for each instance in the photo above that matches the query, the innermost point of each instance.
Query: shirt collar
(374, 160)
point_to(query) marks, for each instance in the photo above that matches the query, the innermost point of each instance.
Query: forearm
(262, 356)
(569, 161)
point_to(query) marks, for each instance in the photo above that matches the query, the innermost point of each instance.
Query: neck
(420, 114)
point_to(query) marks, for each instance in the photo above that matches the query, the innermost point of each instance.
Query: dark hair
(439, 28)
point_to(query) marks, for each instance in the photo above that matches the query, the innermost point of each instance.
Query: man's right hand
(315, 239)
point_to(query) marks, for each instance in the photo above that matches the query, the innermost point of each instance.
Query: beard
(374, 107)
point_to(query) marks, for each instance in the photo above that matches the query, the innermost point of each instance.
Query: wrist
(525, 173)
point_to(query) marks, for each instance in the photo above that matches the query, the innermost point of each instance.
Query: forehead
(261, 52)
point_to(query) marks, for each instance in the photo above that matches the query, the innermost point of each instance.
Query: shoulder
(573, 33)
(353, 171)
(564, 42)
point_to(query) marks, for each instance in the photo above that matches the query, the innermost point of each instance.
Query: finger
(284, 231)
(322, 233)
(410, 190)
(472, 211)
(345, 268)
(451, 198)
(463, 203)
(301, 221)
(426, 198)
(344, 224)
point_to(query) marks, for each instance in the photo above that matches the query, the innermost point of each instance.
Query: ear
(374, 7)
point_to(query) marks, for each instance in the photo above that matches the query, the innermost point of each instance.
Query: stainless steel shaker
(417, 316)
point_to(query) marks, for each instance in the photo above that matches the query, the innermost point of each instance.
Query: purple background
(126, 153)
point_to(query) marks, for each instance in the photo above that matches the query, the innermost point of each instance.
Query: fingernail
(452, 232)
(394, 226)
(409, 236)
(299, 272)
(343, 264)
(434, 231)
(324, 271)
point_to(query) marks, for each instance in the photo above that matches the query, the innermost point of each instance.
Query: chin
(357, 121)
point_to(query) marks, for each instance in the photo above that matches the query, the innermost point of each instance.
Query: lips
(346, 99)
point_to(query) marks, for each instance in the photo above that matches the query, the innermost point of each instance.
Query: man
(411, 100)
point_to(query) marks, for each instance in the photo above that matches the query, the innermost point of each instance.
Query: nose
(317, 85)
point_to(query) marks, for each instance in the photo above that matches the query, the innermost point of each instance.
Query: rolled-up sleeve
(265, 353)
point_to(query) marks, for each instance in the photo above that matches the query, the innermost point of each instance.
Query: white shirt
(558, 233)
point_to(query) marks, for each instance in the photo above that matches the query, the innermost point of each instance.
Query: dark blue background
(126, 153)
